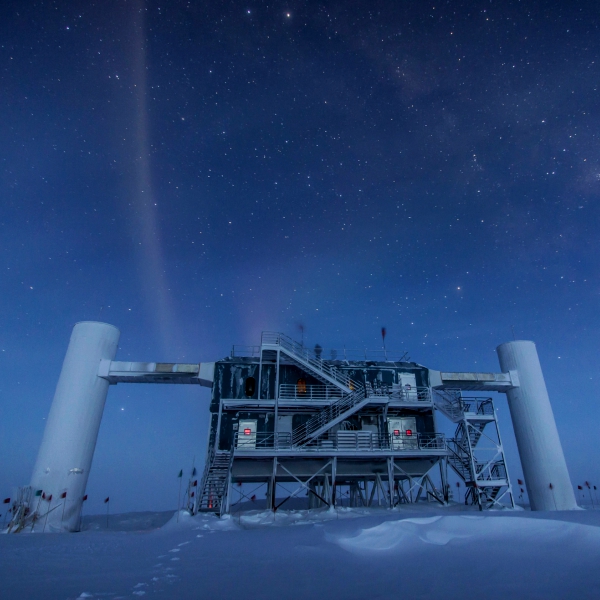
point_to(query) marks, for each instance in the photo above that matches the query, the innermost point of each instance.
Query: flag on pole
(383, 333)
(195, 483)
(85, 498)
(38, 493)
(180, 473)
(194, 472)
(106, 499)
(520, 481)
(63, 495)
(6, 501)
(49, 498)
(579, 487)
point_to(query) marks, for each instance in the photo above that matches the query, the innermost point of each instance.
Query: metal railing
(453, 404)
(308, 357)
(322, 393)
(352, 441)
(262, 441)
(327, 415)
(480, 406)
(399, 393)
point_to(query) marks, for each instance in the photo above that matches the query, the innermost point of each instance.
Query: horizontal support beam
(475, 382)
(151, 372)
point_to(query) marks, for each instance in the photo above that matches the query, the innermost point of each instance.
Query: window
(250, 386)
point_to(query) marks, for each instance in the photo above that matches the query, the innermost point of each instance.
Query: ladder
(212, 496)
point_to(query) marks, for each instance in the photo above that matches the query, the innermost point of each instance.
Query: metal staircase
(215, 483)
(354, 393)
(272, 341)
(329, 416)
(480, 465)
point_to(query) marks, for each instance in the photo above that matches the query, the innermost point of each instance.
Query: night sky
(198, 172)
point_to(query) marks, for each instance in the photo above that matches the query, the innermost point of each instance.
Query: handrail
(367, 441)
(302, 353)
(327, 415)
(400, 393)
(262, 440)
(291, 391)
(207, 465)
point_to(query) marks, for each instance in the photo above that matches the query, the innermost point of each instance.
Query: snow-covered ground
(411, 552)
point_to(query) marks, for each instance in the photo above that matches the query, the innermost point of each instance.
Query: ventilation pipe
(65, 456)
(544, 467)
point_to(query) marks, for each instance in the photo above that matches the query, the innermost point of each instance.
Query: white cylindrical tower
(546, 475)
(65, 456)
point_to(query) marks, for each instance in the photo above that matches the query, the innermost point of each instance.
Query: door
(403, 433)
(247, 434)
(284, 431)
(408, 383)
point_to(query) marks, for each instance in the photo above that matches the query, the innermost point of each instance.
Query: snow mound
(410, 534)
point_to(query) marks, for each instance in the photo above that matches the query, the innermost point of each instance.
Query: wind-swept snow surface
(347, 554)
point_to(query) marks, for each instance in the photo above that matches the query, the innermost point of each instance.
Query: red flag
(6, 501)
(587, 483)
(192, 494)
(195, 483)
(383, 333)
(579, 487)
(43, 495)
(49, 498)
(106, 500)
(253, 497)
(522, 491)
(85, 498)
(63, 495)
(551, 486)
(519, 482)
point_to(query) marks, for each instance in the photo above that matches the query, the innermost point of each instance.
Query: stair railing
(327, 415)
(306, 356)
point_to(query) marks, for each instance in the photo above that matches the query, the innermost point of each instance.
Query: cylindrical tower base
(544, 467)
(65, 456)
